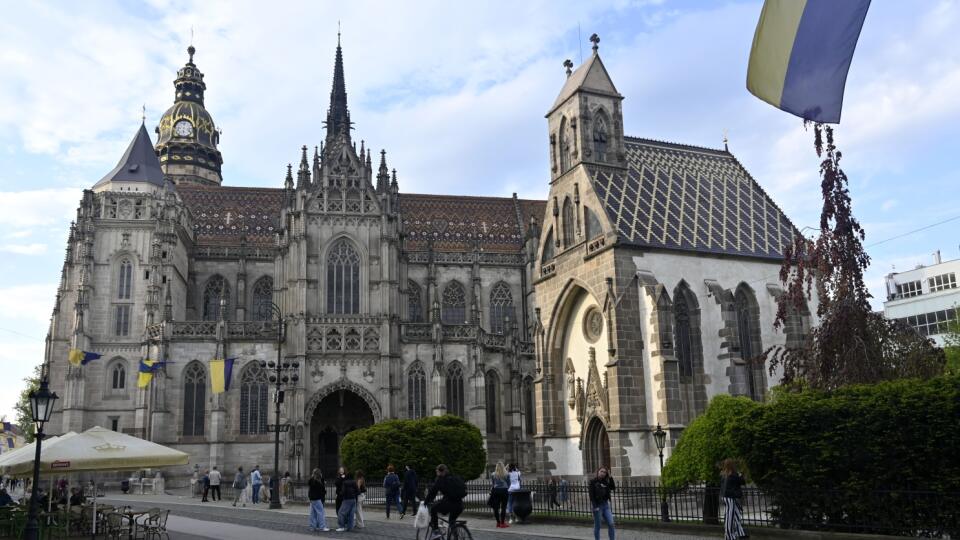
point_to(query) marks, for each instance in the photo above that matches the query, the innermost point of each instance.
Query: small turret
(383, 176)
(303, 175)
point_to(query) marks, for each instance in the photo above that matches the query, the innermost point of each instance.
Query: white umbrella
(97, 449)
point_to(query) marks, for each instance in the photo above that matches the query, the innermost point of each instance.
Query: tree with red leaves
(852, 344)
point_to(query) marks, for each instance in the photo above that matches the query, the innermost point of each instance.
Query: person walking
(552, 491)
(513, 474)
(498, 494)
(215, 479)
(409, 491)
(391, 489)
(564, 494)
(317, 493)
(256, 482)
(348, 503)
(361, 496)
(338, 486)
(240, 488)
(285, 487)
(731, 489)
(205, 485)
(601, 487)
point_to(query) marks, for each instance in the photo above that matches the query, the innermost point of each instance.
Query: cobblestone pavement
(192, 520)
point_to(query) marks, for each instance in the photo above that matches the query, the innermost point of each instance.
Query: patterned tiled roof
(690, 198)
(499, 224)
(224, 215)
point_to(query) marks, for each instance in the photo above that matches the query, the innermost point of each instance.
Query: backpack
(455, 488)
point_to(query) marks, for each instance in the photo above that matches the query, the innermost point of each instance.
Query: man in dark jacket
(409, 491)
(601, 486)
(317, 493)
(452, 503)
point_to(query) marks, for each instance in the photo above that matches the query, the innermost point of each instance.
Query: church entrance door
(336, 415)
(597, 445)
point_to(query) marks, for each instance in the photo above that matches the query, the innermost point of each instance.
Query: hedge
(423, 444)
(823, 457)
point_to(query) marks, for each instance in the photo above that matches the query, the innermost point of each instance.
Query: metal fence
(908, 513)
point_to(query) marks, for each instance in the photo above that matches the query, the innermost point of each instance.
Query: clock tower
(187, 137)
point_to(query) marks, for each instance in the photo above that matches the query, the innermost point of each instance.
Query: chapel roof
(456, 222)
(591, 76)
(690, 198)
(228, 215)
(138, 164)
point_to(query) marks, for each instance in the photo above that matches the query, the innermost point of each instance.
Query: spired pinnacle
(338, 116)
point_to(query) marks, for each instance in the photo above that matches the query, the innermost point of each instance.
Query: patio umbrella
(96, 449)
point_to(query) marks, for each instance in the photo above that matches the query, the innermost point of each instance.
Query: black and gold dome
(187, 137)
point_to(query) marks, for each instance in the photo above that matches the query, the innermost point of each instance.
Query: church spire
(338, 116)
(383, 176)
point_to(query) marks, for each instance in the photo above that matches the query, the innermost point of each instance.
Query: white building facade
(926, 298)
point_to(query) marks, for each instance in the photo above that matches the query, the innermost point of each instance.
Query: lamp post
(285, 373)
(298, 449)
(41, 407)
(660, 438)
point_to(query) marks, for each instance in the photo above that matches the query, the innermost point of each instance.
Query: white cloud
(17, 360)
(23, 209)
(24, 249)
(27, 304)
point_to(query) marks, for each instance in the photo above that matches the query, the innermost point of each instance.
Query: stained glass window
(416, 391)
(455, 398)
(493, 400)
(263, 299)
(501, 307)
(194, 400)
(343, 279)
(414, 302)
(253, 400)
(454, 304)
(216, 289)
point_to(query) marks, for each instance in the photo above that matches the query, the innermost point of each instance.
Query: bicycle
(459, 531)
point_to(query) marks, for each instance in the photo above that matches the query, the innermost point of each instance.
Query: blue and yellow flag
(220, 373)
(81, 358)
(7, 426)
(801, 54)
(147, 369)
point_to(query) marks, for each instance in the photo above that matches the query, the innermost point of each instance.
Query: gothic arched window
(454, 304)
(343, 279)
(600, 135)
(215, 289)
(125, 281)
(455, 398)
(253, 400)
(118, 376)
(568, 223)
(414, 302)
(416, 391)
(564, 146)
(501, 307)
(548, 247)
(263, 299)
(682, 333)
(594, 229)
(493, 400)
(194, 400)
(748, 332)
(530, 412)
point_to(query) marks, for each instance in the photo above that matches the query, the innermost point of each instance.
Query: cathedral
(566, 329)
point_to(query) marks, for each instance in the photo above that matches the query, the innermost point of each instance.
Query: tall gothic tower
(187, 144)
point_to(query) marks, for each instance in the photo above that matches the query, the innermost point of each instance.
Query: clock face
(183, 128)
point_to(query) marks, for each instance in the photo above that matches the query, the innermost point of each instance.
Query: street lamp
(660, 438)
(41, 407)
(298, 448)
(285, 373)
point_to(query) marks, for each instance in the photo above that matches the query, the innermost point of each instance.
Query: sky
(456, 93)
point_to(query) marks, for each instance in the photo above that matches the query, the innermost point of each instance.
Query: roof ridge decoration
(592, 76)
(139, 163)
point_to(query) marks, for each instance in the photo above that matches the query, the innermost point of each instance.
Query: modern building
(926, 298)
(566, 329)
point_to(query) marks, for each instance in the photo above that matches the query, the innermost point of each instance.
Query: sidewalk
(211, 519)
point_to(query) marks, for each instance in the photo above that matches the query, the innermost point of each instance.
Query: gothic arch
(568, 223)
(117, 375)
(491, 388)
(455, 384)
(343, 277)
(453, 303)
(414, 302)
(349, 386)
(261, 298)
(564, 145)
(194, 399)
(747, 312)
(254, 401)
(548, 250)
(688, 349)
(215, 288)
(501, 307)
(601, 134)
(416, 390)
(596, 445)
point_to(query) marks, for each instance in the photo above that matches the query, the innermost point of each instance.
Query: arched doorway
(597, 446)
(337, 414)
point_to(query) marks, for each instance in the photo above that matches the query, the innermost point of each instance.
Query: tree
(951, 343)
(22, 408)
(423, 444)
(851, 344)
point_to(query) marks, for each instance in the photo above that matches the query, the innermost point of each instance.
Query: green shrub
(422, 444)
(705, 442)
(820, 455)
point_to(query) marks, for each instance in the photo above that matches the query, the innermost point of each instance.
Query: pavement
(193, 520)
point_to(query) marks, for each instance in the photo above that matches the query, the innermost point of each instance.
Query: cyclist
(453, 490)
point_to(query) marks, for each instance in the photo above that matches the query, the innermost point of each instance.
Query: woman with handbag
(361, 496)
(498, 494)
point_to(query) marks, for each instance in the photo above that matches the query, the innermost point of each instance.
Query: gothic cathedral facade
(564, 329)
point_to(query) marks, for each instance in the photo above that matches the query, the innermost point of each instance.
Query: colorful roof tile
(227, 215)
(690, 198)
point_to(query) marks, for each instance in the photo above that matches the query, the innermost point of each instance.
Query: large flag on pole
(81, 358)
(220, 374)
(801, 54)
